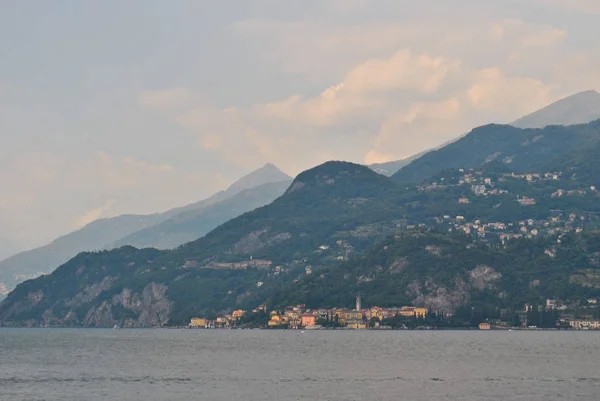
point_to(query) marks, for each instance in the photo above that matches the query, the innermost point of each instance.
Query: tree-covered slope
(93, 236)
(524, 150)
(213, 273)
(447, 271)
(328, 215)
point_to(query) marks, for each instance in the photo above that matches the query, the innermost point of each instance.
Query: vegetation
(341, 228)
(525, 150)
(446, 272)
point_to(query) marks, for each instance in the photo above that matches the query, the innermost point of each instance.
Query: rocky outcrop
(438, 297)
(257, 240)
(148, 308)
(483, 277)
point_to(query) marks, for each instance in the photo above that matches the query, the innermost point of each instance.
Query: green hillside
(328, 216)
(445, 271)
(524, 150)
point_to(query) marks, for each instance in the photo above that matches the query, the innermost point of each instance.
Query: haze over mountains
(521, 150)
(296, 249)
(580, 108)
(337, 202)
(7, 247)
(181, 225)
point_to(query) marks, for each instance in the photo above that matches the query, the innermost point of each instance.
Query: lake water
(225, 365)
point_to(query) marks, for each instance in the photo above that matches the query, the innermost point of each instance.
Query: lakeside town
(552, 315)
(480, 185)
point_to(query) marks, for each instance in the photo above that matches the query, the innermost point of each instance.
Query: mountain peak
(334, 172)
(264, 175)
(579, 108)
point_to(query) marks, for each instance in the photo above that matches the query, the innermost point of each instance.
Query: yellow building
(356, 324)
(484, 326)
(277, 320)
(345, 316)
(407, 311)
(238, 314)
(412, 311)
(198, 322)
(421, 312)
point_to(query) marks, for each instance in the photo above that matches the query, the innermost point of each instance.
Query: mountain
(193, 224)
(269, 173)
(333, 202)
(42, 260)
(389, 168)
(583, 166)
(523, 150)
(328, 216)
(580, 108)
(104, 233)
(447, 271)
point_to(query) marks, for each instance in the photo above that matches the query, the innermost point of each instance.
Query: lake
(225, 365)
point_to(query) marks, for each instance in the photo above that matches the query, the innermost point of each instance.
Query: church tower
(358, 308)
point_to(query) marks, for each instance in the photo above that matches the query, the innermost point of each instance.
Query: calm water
(229, 365)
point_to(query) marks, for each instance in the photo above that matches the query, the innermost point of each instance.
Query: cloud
(489, 96)
(365, 89)
(94, 214)
(403, 71)
(165, 99)
(42, 183)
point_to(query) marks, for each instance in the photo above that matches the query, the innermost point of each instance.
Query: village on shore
(549, 316)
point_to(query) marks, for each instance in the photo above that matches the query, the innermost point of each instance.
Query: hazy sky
(110, 107)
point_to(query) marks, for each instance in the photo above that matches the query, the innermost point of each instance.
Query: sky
(111, 107)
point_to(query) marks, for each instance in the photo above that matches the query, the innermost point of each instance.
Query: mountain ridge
(523, 149)
(580, 108)
(103, 232)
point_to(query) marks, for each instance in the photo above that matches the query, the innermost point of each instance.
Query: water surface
(225, 365)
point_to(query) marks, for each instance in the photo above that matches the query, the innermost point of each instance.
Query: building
(198, 322)
(526, 201)
(309, 320)
(237, 314)
(478, 189)
(484, 326)
(357, 324)
(358, 306)
(345, 316)
(275, 320)
(407, 311)
(421, 313)
(585, 324)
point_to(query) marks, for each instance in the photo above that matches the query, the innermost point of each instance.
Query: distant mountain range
(389, 168)
(521, 150)
(325, 219)
(307, 246)
(163, 230)
(580, 108)
(193, 224)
